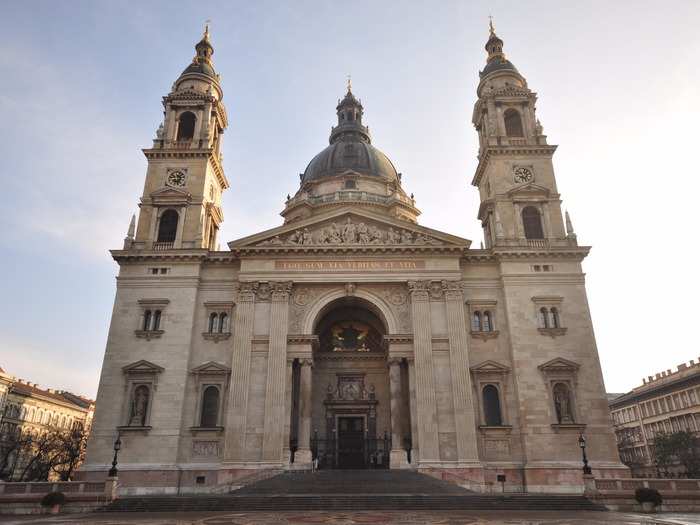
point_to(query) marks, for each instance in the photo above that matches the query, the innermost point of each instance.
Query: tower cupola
(496, 60)
(349, 111)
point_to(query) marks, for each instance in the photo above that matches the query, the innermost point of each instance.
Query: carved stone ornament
(351, 232)
(435, 288)
(246, 291)
(419, 290)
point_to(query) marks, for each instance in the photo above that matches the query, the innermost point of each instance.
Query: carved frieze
(351, 232)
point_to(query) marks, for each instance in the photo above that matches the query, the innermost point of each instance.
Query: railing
(537, 243)
(162, 246)
(181, 144)
(350, 195)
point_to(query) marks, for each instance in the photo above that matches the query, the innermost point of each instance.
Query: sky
(81, 92)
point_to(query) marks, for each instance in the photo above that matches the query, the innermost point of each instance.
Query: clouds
(81, 91)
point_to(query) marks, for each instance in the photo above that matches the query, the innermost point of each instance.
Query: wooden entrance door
(351, 442)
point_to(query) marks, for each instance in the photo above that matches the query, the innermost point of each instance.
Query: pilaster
(397, 457)
(424, 372)
(234, 445)
(289, 378)
(276, 359)
(459, 369)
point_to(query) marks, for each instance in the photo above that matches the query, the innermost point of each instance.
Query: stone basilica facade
(351, 336)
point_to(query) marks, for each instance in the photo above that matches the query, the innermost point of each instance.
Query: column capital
(393, 361)
(306, 362)
(452, 290)
(418, 290)
(281, 291)
(247, 291)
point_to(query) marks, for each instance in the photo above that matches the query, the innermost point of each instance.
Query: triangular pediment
(349, 227)
(211, 367)
(489, 367)
(170, 192)
(559, 364)
(142, 367)
(529, 190)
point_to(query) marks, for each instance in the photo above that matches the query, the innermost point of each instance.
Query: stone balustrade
(662, 485)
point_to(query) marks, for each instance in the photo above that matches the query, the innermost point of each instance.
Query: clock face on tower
(176, 178)
(522, 174)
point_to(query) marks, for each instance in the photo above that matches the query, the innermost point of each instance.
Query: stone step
(351, 490)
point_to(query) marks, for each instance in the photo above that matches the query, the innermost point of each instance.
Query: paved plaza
(362, 518)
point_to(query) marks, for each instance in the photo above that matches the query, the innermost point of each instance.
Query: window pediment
(142, 367)
(559, 364)
(528, 192)
(170, 196)
(211, 368)
(489, 367)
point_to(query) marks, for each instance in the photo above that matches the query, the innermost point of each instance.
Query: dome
(498, 65)
(355, 155)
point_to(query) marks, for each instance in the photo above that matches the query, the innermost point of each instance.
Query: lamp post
(582, 444)
(117, 447)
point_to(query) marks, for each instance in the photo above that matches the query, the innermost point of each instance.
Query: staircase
(335, 490)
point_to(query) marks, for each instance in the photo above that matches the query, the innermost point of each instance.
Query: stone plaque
(350, 266)
(205, 448)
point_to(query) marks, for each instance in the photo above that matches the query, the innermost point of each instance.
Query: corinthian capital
(452, 290)
(281, 290)
(246, 291)
(419, 290)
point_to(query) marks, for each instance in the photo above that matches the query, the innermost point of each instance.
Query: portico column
(303, 453)
(424, 372)
(240, 371)
(276, 359)
(459, 368)
(289, 378)
(415, 448)
(397, 458)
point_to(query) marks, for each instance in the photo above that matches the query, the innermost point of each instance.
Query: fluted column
(459, 368)
(240, 371)
(276, 359)
(303, 453)
(289, 378)
(398, 454)
(424, 372)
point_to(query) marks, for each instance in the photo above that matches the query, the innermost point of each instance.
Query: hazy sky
(81, 92)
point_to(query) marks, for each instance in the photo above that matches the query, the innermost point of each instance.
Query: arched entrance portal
(351, 409)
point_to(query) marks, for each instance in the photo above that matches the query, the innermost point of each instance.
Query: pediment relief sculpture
(351, 232)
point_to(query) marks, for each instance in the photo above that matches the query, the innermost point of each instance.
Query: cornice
(174, 255)
(495, 255)
(489, 151)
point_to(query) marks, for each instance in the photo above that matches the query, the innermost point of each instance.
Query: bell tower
(520, 205)
(181, 202)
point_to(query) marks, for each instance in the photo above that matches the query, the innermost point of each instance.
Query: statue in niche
(562, 403)
(349, 232)
(139, 406)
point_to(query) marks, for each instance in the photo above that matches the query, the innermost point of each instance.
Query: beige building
(351, 333)
(30, 409)
(666, 402)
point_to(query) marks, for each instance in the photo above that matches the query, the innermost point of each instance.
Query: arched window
(210, 407)
(543, 318)
(532, 223)
(514, 126)
(562, 403)
(185, 128)
(492, 406)
(555, 318)
(147, 320)
(212, 323)
(223, 322)
(476, 322)
(156, 320)
(486, 324)
(167, 229)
